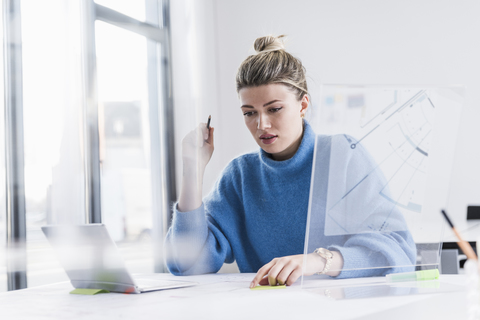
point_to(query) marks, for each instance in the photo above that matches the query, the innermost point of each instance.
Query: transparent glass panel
(381, 175)
(52, 104)
(132, 8)
(374, 289)
(125, 143)
(3, 205)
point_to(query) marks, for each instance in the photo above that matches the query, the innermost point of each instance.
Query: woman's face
(273, 115)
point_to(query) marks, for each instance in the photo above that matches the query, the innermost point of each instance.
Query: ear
(305, 102)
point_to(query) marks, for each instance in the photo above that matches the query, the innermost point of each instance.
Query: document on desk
(222, 285)
(221, 277)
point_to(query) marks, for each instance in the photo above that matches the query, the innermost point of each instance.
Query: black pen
(208, 123)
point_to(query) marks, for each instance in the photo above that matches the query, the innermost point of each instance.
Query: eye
(273, 110)
(248, 113)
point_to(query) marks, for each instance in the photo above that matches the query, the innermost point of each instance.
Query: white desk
(223, 296)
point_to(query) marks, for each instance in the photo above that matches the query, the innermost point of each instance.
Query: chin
(271, 149)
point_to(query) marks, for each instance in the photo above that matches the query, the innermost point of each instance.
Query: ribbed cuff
(360, 262)
(190, 221)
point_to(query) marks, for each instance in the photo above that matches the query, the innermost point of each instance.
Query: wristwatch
(328, 256)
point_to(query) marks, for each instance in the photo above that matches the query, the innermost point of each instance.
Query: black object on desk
(473, 213)
(454, 245)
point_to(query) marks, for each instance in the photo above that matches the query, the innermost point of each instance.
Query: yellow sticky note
(268, 287)
(88, 291)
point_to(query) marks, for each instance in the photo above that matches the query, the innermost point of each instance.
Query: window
(52, 118)
(3, 200)
(131, 8)
(88, 145)
(124, 135)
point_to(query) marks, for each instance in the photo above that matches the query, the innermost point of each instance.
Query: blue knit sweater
(257, 211)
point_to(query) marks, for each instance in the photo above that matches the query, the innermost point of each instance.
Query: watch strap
(328, 256)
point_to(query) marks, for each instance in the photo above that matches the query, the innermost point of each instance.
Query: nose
(263, 122)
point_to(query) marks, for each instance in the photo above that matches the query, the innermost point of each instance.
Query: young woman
(257, 212)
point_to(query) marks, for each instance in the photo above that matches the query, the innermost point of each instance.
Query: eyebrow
(266, 104)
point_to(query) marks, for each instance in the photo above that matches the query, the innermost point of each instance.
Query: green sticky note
(268, 287)
(88, 291)
(432, 274)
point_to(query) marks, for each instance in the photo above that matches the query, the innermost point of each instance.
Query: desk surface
(226, 296)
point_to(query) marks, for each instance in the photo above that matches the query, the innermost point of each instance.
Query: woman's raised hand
(197, 147)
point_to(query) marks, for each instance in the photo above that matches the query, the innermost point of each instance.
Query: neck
(291, 150)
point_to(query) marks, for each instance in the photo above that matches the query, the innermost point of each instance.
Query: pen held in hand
(464, 245)
(208, 122)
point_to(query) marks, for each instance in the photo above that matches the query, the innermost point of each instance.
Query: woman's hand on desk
(284, 270)
(288, 269)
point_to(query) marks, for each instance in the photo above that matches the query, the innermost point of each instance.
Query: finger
(272, 280)
(202, 134)
(261, 273)
(275, 271)
(199, 135)
(205, 132)
(210, 136)
(264, 282)
(288, 271)
(294, 276)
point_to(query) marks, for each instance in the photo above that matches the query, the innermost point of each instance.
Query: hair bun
(268, 43)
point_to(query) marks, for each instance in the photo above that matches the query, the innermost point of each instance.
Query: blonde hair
(272, 64)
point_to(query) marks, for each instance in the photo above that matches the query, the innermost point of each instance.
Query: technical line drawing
(397, 137)
(382, 167)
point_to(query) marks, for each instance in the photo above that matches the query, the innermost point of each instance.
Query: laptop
(92, 260)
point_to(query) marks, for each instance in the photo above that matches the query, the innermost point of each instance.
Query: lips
(268, 138)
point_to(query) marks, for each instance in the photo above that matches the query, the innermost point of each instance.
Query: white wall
(423, 42)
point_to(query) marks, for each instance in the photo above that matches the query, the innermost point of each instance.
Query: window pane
(132, 8)
(52, 91)
(3, 206)
(125, 143)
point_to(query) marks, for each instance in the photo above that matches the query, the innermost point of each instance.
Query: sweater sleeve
(376, 239)
(196, 242)
(377, 254)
